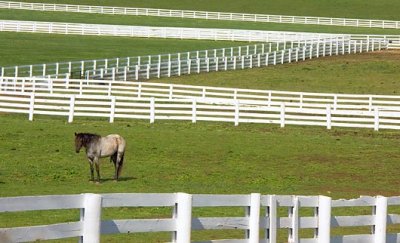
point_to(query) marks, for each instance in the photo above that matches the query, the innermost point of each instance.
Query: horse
(98, 147)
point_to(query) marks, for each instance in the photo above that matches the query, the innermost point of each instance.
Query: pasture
(195, 158)
(199, 158)
(38, 158)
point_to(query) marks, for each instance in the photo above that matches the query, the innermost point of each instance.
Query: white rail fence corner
(157, 66)
(160, 32)
(260, 214)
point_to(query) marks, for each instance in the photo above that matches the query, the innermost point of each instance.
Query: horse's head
(78, 142)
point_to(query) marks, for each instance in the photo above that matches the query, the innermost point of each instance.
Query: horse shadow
(119, 179)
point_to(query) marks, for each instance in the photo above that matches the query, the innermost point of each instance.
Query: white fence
(159, 32)
(274, 98)
(183, 66)
(77, 69)
(389, 24)
(111, 107)
(168, 65)
(260, 214)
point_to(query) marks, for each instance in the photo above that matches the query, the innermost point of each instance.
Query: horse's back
(112, 143)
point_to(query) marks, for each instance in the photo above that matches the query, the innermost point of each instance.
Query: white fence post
(328, 117)
(44, 70)
(380, 211)
(139, 91)
(152, 110)
(324, 219)
(171, 92)
(237, 106)
(31, 106)
(254, 218)
(294, 217)
(91, 218)
(183, 216)
(376, 119)
(272, 214)
(148, 71)
(71, 109)
(137, 72)
(159, 67)
(169, 67)
(112, 109)
(282, 115)
(194, 109)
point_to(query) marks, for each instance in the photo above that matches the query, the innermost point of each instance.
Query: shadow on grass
(120, 179)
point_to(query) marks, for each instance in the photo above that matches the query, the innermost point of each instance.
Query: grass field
(199, 158)
(28, 48)
(194, 158)
(38, 158)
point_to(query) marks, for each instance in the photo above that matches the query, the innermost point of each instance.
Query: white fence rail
(183, 66)
(182, 222)
(159, 32)
(112, 107)
(131, 89)
(78, 69)
(388, 24)
(146, 67)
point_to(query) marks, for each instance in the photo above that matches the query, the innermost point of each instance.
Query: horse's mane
(87, 137)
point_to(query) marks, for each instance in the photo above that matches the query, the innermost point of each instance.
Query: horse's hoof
(97, 182)
(115, 180)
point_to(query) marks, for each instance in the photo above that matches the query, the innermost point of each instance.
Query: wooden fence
(183, 66)
(270, 98)
(261, 213)
(146, 67)
(152, 109)
(386, 24)
(159, 32)
(78, 69)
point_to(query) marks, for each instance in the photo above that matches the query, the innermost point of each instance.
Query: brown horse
(98, 147)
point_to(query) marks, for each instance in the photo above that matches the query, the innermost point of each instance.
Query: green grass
(196, 158)
(38, 158)
(375, 9)
(28, 48)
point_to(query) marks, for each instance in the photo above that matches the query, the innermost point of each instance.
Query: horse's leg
(120, 162)
(91, 169)
(96, 163)
(113, 158)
